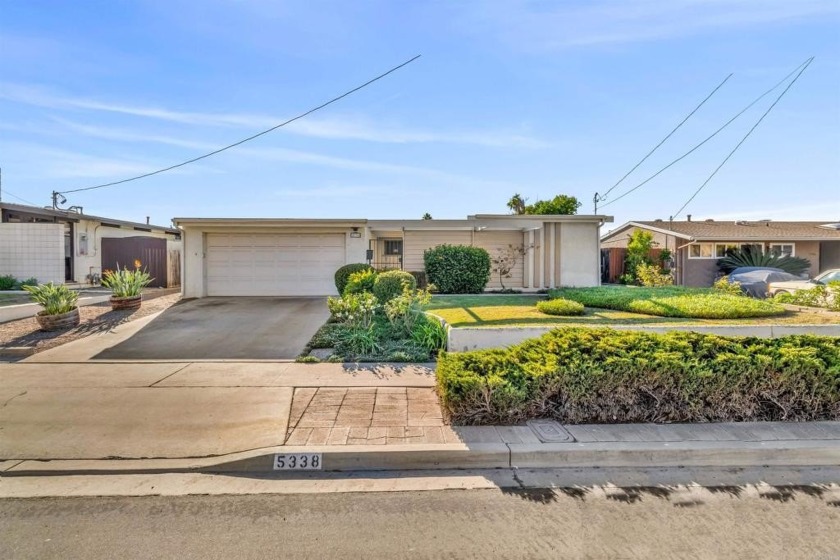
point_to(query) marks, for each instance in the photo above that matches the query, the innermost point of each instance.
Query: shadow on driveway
(226, 328)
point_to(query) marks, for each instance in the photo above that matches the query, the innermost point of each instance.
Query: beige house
(696, 246)
(298, 257)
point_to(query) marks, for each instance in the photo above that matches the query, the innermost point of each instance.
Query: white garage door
(273, 264)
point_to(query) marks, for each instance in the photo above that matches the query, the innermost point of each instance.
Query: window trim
(700, 257)
(792, 248)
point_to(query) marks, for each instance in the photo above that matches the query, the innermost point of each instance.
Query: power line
(650, 153)
(712, 135)
(19, 198)
(273, 128)
(706, 182)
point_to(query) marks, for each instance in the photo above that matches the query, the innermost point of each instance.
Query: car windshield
(831, 276)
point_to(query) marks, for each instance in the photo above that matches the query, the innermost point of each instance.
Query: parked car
(792, 286)
(756, 280)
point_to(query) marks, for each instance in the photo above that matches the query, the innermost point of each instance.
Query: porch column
(529, 276)
(541, 256)
(552, 283)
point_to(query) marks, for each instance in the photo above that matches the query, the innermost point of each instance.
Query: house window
(782, 249)
(754, 248)
(722, 248)
(393, 247)
(701, 251)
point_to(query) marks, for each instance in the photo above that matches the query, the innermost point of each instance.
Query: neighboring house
(299, 257)
(68, 246)
(697, 245)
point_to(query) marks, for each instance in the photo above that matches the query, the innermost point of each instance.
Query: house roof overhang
(478, 222)
(75, 217)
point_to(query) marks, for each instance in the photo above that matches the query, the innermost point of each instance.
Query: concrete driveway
(226, 328)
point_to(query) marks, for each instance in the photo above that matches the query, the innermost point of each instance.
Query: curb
(811, 453)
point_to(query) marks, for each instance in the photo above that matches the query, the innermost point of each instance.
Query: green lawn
(504, 310)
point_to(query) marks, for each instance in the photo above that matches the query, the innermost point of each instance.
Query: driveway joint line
(165, 377)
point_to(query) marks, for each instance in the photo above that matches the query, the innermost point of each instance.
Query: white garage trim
(273, 264)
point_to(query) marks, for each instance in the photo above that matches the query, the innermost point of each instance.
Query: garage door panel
(273, 264)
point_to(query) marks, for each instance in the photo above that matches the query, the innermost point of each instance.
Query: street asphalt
(786, 523)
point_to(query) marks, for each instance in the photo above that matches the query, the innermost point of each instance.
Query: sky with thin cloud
(509, 96)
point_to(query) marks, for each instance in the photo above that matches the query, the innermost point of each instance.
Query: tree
(505, 261)
(638, 254)
(560, 204)
(517, 204)
(427, 216)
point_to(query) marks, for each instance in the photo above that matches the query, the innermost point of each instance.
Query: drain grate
(550, 431)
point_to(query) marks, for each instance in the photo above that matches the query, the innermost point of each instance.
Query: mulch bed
(96, 318)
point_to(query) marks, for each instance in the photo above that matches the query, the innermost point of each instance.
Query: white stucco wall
(579, 254)
(192, 264)
(32, 251)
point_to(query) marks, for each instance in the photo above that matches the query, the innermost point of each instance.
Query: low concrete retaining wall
(464, 338)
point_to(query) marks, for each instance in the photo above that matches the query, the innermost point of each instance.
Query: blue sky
(538, 98)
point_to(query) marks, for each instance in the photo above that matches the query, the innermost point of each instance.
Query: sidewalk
(236, 416)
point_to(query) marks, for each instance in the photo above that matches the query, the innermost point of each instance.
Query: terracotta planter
(123, 303)
(58, 322)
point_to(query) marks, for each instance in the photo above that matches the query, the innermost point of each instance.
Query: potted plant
(60, 306)
(126, 286)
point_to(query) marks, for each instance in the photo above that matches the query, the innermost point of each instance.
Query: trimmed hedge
(389, 285)
(560, 306)
(580, 375)
(694, 303)
(457, 269)
(342, 275)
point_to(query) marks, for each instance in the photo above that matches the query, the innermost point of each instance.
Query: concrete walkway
(164, 410)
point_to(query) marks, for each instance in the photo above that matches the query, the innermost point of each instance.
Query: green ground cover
(672, 301)
(606, 376)
(520, 310)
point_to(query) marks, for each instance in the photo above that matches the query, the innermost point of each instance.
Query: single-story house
(696, 246)
(299, 257)
(68, 246)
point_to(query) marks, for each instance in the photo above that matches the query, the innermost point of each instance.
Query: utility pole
(596, 199)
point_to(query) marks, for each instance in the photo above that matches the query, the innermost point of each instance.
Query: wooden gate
(121, 252)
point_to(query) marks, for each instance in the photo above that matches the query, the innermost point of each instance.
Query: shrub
(560, 306)
(746, 256)
(360, 282)
(359, 340)
(8, 282)
(126, 282)
(356, 310)
(651, 275)
(405, 309)
(827, 296)
(56, 299)
(723, 284)
(457, 269)
(429, 333)
(32, 281)
(579, 375)
(342, 275)
(390, 284)
(672, 301)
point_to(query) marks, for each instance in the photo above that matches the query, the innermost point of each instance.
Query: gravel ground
(96, 318)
